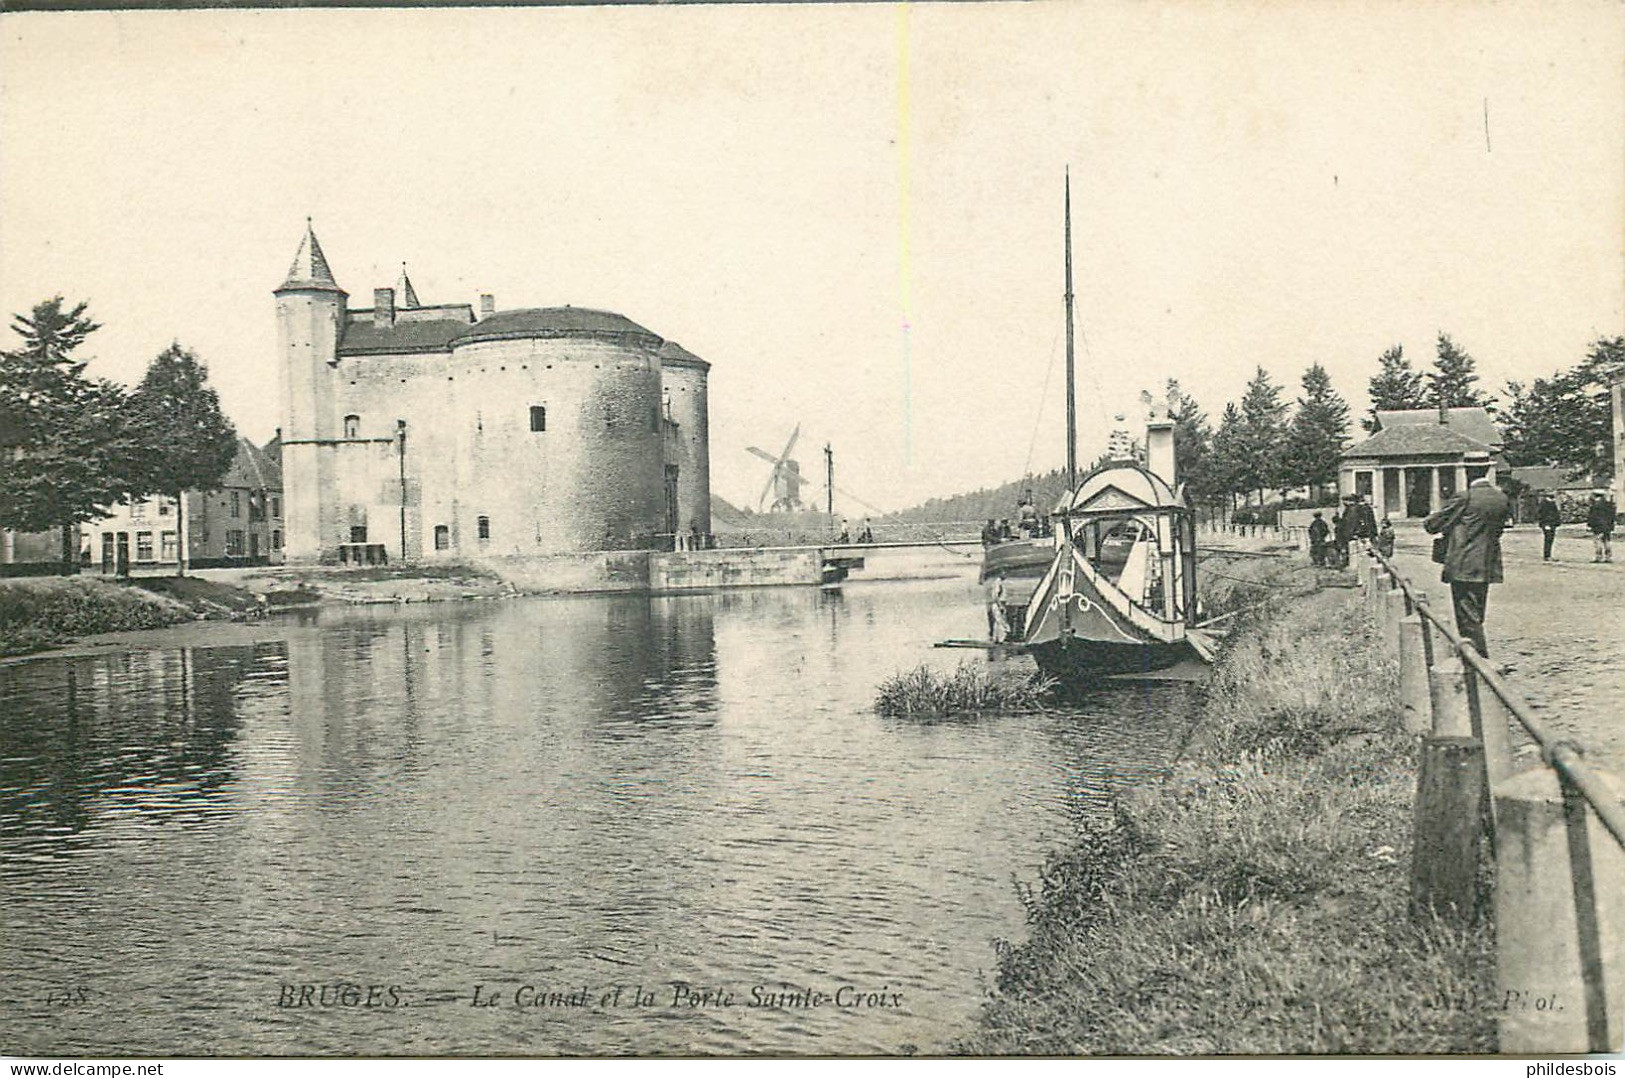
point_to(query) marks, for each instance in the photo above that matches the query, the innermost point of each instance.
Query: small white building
(1417, 460)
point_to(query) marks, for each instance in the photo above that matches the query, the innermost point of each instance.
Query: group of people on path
(1600, 517)
(1329, 543)
(1469, 528)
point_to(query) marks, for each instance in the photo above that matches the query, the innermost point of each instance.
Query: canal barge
(1118, 595)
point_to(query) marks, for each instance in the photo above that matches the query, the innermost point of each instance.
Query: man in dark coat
(1600, 516)
(1342, 535)
(1547, 516)
(1365, 520)
(1473, 521)
(1317, 539)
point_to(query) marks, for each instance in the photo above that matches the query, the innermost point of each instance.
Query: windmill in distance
(784, 482)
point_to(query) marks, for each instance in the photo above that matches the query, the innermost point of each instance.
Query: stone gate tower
(425, 432)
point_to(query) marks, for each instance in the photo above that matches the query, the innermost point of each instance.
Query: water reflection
(571, 792)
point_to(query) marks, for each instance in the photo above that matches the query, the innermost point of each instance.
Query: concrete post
(1496, 735)
(1415, 706)
(1546, 939)
(1449, 829)
(1393, 611)
(1447, 690)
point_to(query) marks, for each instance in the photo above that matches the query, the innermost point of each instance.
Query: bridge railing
(1556, 831)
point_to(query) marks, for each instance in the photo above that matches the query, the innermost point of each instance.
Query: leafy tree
(1319, 427)
(66, 458)
(1226, 465)
(1451, 382)
(1193, 446)
(1395, 387)
(1566, 420)
(1262, 443)
(182, 441)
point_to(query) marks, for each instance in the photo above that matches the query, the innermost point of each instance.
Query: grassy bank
(40, 612)
(1255, 903)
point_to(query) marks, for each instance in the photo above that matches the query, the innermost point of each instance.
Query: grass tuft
(925, 692)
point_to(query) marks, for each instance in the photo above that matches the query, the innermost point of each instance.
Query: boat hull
(1078, 662)
(1018, 558)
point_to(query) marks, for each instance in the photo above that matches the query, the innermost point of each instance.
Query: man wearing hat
(1600, 523)
(1473, 521)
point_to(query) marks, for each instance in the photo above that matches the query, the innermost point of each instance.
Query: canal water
(640, 825)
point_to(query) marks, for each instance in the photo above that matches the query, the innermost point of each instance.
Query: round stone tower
(310, 316)
(688, 442)
(565, 446)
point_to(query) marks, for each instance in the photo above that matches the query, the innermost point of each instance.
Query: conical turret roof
(405, 295)
(309, 271)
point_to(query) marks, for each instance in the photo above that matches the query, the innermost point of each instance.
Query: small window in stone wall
(442, 537)
(143, 546)
(352, 426)
(538, 417)
(169, 546)
(484, 526)
(236, 503)
(276, 538)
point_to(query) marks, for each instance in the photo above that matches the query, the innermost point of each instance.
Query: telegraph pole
(829, 481)
(400, 453)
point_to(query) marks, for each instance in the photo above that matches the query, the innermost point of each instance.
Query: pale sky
(854, 212)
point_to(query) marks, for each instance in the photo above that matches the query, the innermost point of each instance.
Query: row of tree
(1263, 443)
(71, 446)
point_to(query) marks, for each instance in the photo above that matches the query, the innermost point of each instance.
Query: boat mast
(1071, 391)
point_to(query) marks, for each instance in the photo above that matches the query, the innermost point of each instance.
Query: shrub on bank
(925, 692)
(1255, 902)
(37, 613)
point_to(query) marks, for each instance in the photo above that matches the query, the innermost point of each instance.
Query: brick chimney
(488, 305)
(383, 307)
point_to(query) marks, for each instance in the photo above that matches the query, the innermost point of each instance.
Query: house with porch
(1418, 459)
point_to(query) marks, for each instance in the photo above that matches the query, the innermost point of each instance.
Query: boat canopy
(1122, 488)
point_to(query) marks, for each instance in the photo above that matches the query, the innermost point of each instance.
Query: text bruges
(340, 995)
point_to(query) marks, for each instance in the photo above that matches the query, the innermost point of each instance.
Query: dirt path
(1560, 626)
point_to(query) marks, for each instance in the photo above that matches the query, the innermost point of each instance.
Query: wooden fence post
(1447, 690)
(1449, 837)
(1559, 908)
(1414, 701)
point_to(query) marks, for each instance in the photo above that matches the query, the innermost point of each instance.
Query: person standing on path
(1547, 516)
(1600, 523)
(1385, 538)
(998, 624)
(1318, 531)
(1472, 521)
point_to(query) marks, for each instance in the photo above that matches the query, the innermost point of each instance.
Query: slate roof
(1474, 422)
(552, 322)
(1540, 477)
(363, 337)
(674, 353)
(253, 468)
(309, 271)
(1406, 440)
(405, 294)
